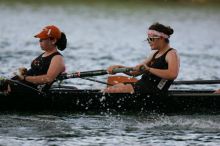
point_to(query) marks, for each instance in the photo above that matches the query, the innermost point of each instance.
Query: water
(81, 129)
(101, 34)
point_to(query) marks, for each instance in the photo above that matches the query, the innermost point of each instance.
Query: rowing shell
(70, 99)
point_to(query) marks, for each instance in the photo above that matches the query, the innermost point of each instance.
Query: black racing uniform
(40, 66)
(150, 83)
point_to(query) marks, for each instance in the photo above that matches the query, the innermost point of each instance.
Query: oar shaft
(92, 73)
(98, 81)
(196, 82)
(25, 85)
(82, 74)
(122, 70)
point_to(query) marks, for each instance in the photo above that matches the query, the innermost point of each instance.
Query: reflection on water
(99, 35)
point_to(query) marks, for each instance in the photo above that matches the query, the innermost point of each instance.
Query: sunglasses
(152, 39)
(41, 40)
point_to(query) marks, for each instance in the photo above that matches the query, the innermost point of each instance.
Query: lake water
(102, 34)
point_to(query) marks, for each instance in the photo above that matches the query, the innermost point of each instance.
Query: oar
(193, 82)
(113, 80)
(92, 73)
(15, 82)
(98, 81)
(122, 79)
(77, 75)
(27, 86)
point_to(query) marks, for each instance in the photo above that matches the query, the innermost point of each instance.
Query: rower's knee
(217, 91)
(119, 88)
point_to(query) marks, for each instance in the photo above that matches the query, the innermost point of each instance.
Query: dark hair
(61, 43)
(162, 28)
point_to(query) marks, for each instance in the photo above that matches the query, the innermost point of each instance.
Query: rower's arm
(56, 67)
(146, 61)
(173, 62)
(133, 73)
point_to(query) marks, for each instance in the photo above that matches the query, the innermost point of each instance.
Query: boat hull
(188, 102)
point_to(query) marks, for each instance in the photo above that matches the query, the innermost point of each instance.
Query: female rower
(46, 67)
(158, 71)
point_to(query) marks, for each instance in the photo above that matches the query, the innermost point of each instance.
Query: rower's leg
(217, 91)
(120, 88)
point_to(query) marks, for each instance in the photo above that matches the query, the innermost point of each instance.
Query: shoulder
(57, 54)
(57, 58)
(172, 54)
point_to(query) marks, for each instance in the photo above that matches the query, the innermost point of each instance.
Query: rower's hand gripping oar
(92, 73)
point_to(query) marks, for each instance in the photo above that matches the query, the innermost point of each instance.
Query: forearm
(56, 67)
(42, 79)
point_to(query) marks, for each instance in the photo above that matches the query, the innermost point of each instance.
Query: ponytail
(61, 43)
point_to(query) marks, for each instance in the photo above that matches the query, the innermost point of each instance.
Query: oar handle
(92, 73)
(122, 70)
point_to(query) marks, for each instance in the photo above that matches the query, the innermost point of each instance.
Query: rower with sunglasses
(158, 71)
(46, 67)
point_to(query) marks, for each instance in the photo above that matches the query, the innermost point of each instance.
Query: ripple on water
(114, 129)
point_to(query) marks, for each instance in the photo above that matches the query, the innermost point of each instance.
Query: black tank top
(40, 65)
(154, 82)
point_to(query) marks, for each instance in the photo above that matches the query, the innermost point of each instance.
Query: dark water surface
(107, 129)
(99, 35)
